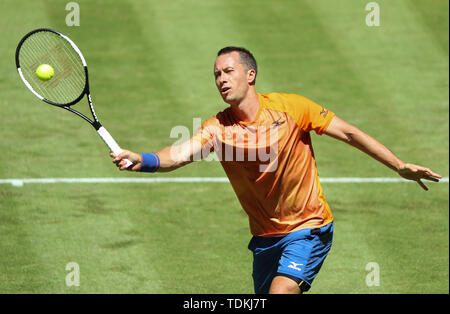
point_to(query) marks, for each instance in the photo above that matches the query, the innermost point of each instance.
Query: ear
(251, 77)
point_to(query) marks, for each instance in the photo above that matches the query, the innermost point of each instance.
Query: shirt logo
(324, 112)
(294, 266)
(278, 123)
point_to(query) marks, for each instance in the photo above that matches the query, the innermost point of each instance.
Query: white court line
(21, 182)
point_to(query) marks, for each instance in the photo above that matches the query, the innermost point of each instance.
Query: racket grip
(112, 144)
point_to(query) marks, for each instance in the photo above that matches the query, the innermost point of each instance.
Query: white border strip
(28, 84)
(75, 47)
(21, 182)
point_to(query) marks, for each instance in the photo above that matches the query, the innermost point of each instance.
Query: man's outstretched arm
(343, 131)
(168, 158)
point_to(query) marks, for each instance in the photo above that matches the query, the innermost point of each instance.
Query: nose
(220, 81)
(221, 78)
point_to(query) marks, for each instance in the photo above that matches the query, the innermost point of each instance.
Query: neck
(247, 109)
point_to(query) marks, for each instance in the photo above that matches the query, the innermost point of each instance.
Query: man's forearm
(373, 148)
(173, 157)
(343, 131)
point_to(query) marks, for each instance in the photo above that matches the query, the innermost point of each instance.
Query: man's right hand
(135, 158)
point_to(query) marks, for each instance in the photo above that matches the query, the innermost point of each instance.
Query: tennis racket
(70, 81)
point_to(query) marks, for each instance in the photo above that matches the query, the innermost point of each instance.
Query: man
(264, 146)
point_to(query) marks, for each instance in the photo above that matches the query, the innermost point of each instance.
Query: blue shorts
(297, 255)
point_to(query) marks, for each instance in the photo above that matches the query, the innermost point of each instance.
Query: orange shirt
(270, 162)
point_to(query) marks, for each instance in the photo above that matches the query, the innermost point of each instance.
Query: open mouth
(224, 90)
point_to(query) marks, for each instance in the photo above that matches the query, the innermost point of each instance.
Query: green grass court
(150, 65)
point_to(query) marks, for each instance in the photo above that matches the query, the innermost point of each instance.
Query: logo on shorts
(294, 266)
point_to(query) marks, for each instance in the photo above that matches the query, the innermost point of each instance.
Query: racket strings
(69, 78)
(30, 75)
(65, 61)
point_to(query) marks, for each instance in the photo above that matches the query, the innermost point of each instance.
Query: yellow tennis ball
(45, 72)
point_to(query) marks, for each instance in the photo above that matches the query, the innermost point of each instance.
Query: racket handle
(112, 144)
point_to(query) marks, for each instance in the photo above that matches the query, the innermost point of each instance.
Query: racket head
(47, 46)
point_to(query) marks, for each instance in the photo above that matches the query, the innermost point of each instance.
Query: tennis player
(263, 143)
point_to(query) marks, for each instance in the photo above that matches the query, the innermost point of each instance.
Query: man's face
(232, 78)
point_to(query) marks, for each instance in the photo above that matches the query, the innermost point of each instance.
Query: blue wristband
(150, 163)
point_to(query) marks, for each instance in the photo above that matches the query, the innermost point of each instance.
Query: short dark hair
(245, 57)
